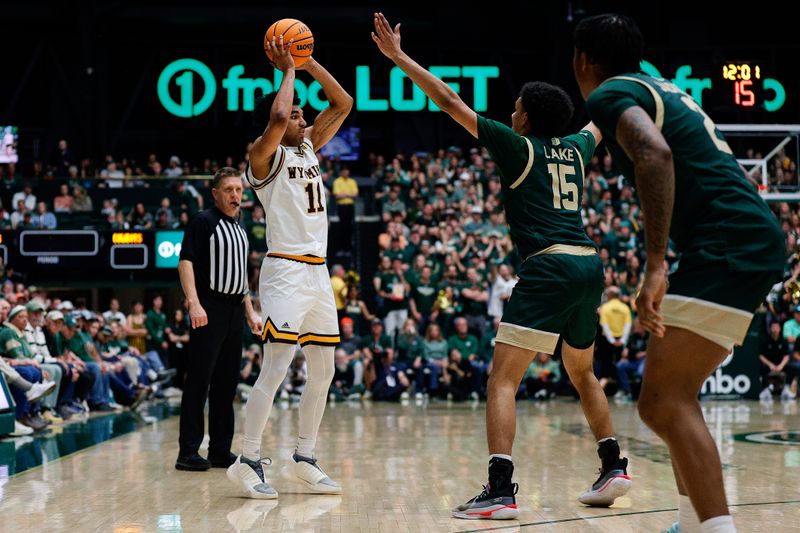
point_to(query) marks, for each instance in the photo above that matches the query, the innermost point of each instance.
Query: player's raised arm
(263, 149)
(388, 41)
(331, 118)
(594, 130)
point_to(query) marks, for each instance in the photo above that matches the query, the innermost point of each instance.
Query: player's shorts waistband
(568, 249)
(308, 259)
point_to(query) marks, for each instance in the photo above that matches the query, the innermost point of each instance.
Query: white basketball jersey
(293, 197)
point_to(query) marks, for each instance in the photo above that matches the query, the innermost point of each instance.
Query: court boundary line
(632, 513)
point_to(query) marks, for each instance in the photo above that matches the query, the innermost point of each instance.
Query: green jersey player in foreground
(693, 191)
(561, 279)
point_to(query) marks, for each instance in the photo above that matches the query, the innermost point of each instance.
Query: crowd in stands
(445, 268)
(62, 360)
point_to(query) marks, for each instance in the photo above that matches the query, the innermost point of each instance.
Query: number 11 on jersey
(312, 207)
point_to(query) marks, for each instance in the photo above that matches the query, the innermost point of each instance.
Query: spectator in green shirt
(156, 322)
(542, 377)
(791, 330)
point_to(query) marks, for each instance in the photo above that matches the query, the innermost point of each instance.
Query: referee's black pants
(212, 371)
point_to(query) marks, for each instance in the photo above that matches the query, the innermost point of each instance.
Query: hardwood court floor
(403, 467)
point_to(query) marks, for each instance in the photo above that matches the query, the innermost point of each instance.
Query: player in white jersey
(295, 289)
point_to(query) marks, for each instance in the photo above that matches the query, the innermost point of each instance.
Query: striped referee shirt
(217, 247)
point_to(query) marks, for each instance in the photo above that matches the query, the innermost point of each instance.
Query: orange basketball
(303, 45)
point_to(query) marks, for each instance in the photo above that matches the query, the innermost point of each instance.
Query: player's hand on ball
(198, 316)
(387, 39)
(280, 53)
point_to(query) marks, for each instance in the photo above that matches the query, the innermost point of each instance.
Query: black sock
(608, 450)
(500, 472)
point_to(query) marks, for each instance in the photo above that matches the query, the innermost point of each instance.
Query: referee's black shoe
(193, 463)
(221, 460)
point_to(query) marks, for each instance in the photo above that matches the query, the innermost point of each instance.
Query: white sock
(687, 516)
(501, 456)
(319, 360)
(277, 358)
(601, 441)
(718, 524)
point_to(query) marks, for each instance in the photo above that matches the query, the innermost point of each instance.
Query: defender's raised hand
(387, 39)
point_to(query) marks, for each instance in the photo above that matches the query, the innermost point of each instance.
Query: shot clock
(746, 82)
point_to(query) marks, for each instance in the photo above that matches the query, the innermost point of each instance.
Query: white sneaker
(284, 395)
(249, 477)
(331, 397)
(404, 395)
(39, 390)
(419, 396)
(766, 395)
(786, 394)
(20, 430)
(152, 375)
(308, 473)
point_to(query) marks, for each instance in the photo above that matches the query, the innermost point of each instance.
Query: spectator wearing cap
(81, 345)
(17, 353)
(58, 373)
(81, 379)
(174, 169)
(392, 204)
(377, 341)
(350, 342)
(475, 225)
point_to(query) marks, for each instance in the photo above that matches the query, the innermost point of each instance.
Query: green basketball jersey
(542, 181)
(717, 213)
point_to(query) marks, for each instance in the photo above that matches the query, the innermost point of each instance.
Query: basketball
(303, 45)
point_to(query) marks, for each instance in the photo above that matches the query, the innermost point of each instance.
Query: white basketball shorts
(297, 302)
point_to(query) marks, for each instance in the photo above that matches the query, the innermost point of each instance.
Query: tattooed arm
(332, 117)
(655, 184)
(655, 177)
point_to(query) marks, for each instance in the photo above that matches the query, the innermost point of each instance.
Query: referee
(213, 272)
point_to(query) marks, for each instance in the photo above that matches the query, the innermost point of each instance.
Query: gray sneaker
(489, 505)
(249, 477)
(612, 483)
